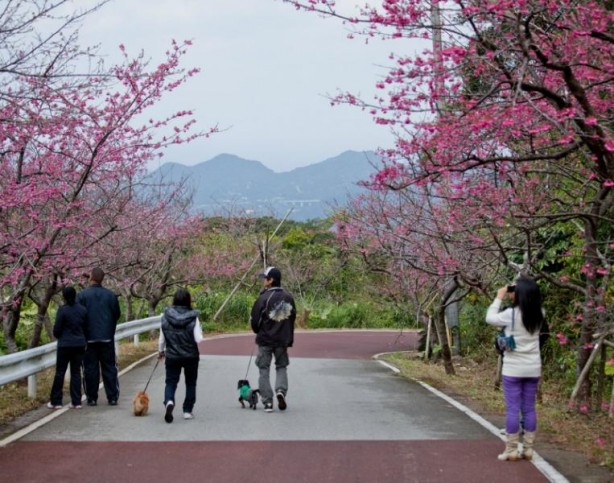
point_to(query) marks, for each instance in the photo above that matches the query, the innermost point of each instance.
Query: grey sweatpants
(263, 362)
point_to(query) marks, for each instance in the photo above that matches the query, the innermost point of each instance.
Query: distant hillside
(227, 182)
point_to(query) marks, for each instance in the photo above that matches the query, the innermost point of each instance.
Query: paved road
(349, 419)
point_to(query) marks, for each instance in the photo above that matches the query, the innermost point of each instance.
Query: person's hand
(161, 355)
(501, 293)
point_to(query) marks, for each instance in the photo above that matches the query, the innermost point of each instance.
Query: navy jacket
(272, 318)
(102, 312)
(70, 325)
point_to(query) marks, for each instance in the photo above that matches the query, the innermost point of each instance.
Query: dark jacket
(178, 329)
(272, 318)
(70, 325)
(102, 312)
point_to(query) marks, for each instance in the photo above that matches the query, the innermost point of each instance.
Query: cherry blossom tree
(70, 154)
(512, 107)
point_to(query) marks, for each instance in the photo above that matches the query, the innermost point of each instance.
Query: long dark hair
(182, 298)
(529, 300)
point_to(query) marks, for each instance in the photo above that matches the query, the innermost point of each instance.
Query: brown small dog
(140, 404)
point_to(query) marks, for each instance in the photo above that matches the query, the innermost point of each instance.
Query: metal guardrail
(28, 363)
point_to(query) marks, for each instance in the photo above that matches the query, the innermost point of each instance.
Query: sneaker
(188, 416)
(75, 406)
(54, 406)
(168, 416)
(281, 401)
(268, 407)
(92, 403)
(113, 402)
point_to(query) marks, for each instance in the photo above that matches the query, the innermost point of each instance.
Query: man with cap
(272, 320)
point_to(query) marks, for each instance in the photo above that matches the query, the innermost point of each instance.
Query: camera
(511, 288)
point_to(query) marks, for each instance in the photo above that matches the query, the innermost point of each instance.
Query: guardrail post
(135, 340)
(32, 386)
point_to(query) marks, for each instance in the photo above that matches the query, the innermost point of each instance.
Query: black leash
(152, 373)
(250, 361)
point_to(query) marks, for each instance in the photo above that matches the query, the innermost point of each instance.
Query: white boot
(511, 448)
(527, 445)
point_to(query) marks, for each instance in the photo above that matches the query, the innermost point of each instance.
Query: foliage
(234, 316)
(74, 150)
(504, 147)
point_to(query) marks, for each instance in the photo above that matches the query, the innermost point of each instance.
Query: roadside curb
(541, 464)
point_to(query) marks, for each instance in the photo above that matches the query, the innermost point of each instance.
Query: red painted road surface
(279, 462)
(446, 461)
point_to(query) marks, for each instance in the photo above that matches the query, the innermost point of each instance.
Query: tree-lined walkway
(349, 418)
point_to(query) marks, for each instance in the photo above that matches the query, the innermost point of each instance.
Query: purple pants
(520, 394)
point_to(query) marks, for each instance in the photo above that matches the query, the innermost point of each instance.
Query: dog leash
(249, 362)
(152, 373)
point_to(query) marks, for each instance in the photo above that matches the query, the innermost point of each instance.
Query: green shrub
(234, 316)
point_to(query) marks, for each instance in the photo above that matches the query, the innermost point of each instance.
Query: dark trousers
(190, 373)
(100, 357)
(66, 356)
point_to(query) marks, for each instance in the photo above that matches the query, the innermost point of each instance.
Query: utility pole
(451, 312)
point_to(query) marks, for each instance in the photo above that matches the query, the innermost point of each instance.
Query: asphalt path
(349, 419)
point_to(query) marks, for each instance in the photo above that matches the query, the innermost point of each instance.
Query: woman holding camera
(521, 363)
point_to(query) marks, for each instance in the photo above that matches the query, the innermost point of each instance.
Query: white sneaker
(54, 406)
(188, 416)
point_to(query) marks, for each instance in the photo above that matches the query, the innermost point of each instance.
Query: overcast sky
(265, 72)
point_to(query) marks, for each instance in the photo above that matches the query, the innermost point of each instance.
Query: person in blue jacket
(103, 312)
(69, 330)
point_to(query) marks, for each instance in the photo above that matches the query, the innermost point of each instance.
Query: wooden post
(585, 370)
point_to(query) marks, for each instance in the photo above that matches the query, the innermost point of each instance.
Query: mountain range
(228, 183)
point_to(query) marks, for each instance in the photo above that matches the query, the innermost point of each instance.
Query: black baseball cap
(271, 272)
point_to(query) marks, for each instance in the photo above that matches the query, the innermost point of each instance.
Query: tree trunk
(151, 307)
(42, 312)
(35, 338)
(10, 321)
(303, 321)
(589, 315)
(446, 354)
(129, 311)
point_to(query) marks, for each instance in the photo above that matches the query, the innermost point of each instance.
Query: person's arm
(198, 332)
(57, 327)
(161, 344)
(256, 316)
(292, 319)
(493, 314)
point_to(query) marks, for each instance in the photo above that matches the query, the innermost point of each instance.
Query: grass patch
(473, 384)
